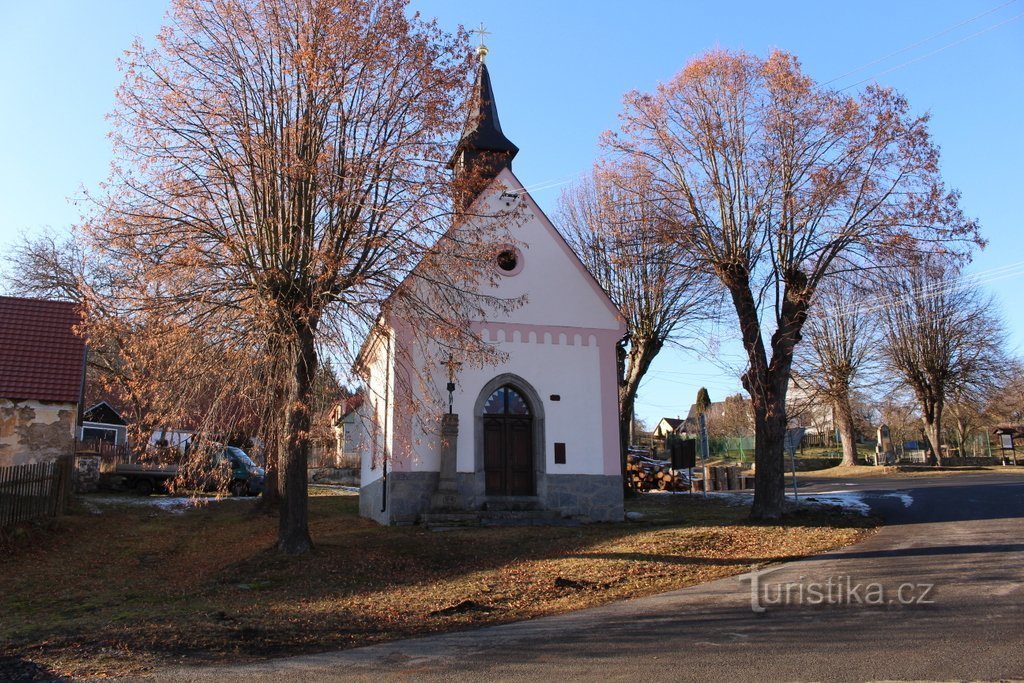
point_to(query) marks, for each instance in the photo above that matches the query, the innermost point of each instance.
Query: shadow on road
(926, 551)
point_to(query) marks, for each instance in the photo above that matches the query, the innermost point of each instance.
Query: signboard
(792, 439)
(1007, 441)
(684, 454)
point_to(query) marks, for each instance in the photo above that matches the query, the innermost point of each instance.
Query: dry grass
(136, 588)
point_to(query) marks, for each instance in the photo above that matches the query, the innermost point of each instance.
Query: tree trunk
(293, 529)
(767, 383)
(844, 420)
(641, 353)
(933, 431)
(271, 496)
(769, 456)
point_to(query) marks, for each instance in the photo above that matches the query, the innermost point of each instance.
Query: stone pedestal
(884, 453)
(447, 497)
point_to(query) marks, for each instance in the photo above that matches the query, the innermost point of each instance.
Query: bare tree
(49, 266)
(944, 338)
(730, 418)
(783, 183)
(841, 341)
(1005, 404)
(281, 171)
(612, 224)
(899, 412)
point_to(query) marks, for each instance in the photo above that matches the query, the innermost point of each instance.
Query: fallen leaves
(211, 587)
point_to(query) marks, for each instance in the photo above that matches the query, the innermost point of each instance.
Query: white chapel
(539, 430)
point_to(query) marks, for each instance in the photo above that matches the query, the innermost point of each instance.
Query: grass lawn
(137, 587)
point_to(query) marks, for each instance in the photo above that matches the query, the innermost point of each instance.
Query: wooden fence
(110, 454)
(33, 491)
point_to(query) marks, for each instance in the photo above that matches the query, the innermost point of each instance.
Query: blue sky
(559, 69)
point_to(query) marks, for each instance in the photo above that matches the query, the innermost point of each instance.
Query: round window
(507, 260)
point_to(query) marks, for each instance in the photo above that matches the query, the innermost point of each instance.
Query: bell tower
(483, 149)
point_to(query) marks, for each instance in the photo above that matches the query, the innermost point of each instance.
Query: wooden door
(508, 444)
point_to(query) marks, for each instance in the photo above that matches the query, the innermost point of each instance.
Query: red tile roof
(41, 357)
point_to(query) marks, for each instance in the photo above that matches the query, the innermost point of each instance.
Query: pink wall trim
(543, 334)
(609, 402)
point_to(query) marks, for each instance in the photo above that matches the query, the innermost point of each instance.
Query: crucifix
(453, 367)
(481, 49)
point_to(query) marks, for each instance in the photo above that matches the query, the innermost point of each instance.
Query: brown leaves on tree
(280, 172)
(776, 184)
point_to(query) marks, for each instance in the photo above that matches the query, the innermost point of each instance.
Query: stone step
(519, 514)
(524, 504)
(525, 518)
(450, 521)
(450, 518)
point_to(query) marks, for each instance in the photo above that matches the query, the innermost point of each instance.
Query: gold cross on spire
(481, 49)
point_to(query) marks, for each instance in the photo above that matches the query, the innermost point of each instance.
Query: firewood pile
(648, 474)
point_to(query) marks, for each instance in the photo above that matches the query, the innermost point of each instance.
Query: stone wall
(408, 495)
(87, 473)
(342, 476)
(588, 497)
(370, 498)
(35, 431)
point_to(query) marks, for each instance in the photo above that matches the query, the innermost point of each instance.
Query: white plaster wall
(571, 372)
(375, 416)
(559, 291)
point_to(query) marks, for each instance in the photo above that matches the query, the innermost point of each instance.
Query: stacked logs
(647, 474)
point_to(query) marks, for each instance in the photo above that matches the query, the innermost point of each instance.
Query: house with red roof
(42, 372)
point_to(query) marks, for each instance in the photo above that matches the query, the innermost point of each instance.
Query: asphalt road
(940, 597)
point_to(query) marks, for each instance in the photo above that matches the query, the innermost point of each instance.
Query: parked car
(246, 477)
(226, 468)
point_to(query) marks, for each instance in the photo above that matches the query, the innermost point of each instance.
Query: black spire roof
(482, 135)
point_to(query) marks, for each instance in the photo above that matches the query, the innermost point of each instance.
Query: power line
(921, 42)
(936, 51)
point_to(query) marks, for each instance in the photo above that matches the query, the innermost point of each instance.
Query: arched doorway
(508, 443)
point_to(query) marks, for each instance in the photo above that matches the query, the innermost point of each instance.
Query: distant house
(349, 430)
(732, 417)
(806, 408)
(42, 372)
(666, 426)
(103, 423)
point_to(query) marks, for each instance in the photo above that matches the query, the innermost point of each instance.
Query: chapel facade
(537, 431)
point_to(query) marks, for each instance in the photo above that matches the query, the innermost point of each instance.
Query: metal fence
(33, 491)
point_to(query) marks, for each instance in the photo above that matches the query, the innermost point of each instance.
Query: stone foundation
(370, 497)
(408, 496)
(589, 498)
